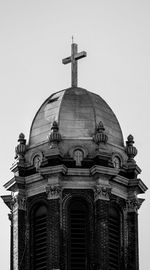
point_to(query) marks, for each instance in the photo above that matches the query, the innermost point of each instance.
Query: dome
(77, 112)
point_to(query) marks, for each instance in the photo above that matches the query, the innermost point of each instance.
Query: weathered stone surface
(77, 112)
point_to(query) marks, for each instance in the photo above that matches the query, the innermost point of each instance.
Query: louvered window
(114, 239)
(40, 238)
(78, 236)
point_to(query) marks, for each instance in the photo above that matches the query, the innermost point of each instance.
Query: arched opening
(39, 236)
(78, 258)
(114, 235)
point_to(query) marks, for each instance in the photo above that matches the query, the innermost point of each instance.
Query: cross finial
(73, 60)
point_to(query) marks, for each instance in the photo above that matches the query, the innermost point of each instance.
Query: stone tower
(74, 194)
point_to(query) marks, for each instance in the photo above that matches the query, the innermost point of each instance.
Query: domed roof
(77, 112)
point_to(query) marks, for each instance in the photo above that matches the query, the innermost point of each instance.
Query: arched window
(79, 235)
(39, 237)
(114, 238)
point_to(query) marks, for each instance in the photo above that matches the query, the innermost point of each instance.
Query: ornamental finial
(100, 135)
(130, 149)
(54, 137)
(54, 127)
(100, 127)
(20, 149)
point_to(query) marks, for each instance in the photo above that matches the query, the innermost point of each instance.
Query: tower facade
(74, 194)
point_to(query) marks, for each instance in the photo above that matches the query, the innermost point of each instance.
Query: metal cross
(73, 60)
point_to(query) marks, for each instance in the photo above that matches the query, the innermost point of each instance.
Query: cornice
(33, 178)
(138, 183)
(53, 170)
(14, 183)
(7, 200)
(96, 169)
(121, 180)
(78, 172)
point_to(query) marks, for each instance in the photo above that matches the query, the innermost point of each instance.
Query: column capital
(102, 193)
(53, 192)
(19, 200)
(133, 204)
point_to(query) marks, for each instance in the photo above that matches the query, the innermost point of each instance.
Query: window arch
(114, 235)
(78, 235)
(39, 237)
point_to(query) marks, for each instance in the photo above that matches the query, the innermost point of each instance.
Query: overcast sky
(34, 37)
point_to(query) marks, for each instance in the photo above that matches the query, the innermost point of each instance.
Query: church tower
(74, 192)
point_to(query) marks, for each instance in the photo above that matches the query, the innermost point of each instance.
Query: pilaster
(10, 216)
(132, 207)
(18, 231)
(101, 196)
(54, 197)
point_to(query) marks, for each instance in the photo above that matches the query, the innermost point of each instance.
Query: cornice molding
(139, 184)
(96, 169)
(15, 183)
(8, 200)
(53, 170)
(78, 172)
(33, 178)
(121, 180)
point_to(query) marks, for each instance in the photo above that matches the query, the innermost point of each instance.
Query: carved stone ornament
(78, 156)
(53, 192)
(102, 193)
(54, 137)
(37, 161)
(134, 204)
(20, 149)
(100, 135)
(78, 153)
(20, 202)
(116, 162)
(130, 149)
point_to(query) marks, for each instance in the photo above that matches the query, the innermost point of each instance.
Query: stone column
(132, 221)
(125, 238)
(54, 196)
(18, 230)
(101, 226)
(10, 216)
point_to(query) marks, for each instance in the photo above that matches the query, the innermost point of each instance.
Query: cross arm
(80, 55)
(76, 57)
(66, 60)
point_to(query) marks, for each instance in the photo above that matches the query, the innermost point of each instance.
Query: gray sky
(34, 37)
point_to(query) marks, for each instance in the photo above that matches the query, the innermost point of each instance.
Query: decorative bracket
(53, 192)
(19, 200)
(102, 193)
